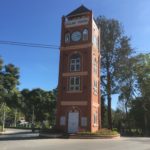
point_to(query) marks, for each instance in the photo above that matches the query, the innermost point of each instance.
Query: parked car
(23, 123)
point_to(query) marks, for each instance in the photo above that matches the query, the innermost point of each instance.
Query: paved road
(75, 144)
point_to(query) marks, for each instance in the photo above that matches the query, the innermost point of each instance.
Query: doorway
(73, 122)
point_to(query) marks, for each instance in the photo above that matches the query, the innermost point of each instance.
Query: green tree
(104, 120)
(9, 76)
(39, 105)
(127, 86)
(118, 119)
(136, 114)
(112, 49)
(142, 71)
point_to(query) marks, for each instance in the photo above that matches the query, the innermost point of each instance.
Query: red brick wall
(86, 93)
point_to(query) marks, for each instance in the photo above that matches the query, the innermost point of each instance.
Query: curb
(51, 135)
(75, 136)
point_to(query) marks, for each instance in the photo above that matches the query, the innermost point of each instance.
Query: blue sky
(39, 21)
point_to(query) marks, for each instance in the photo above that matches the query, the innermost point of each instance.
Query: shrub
(107, 132)
(102, 132)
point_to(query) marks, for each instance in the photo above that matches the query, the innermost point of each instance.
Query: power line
(36, 45)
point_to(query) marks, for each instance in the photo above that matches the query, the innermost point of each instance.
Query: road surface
(32, 142)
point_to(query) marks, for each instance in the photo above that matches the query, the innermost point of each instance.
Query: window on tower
(95, 87)
(94, 39)
(95, 66)
(85, 34)
(74, 84)
(75, 62)
(95, 118)
(67, 37)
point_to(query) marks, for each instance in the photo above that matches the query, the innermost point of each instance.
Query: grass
(102, 132)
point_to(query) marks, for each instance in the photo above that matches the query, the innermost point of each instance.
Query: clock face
(76, 36)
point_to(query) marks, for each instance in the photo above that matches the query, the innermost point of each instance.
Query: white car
(23, 123)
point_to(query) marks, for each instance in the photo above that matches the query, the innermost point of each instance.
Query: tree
(39, 105)
(112, 51)
(9, 75)
(136, 114)
(118, 119)
(142, 71)
(103, 112)
(127, 85)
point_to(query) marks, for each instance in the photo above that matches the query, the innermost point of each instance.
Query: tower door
(73, 122)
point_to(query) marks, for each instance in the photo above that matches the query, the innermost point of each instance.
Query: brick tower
(78, 103)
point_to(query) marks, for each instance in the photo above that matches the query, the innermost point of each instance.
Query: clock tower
(78, 103)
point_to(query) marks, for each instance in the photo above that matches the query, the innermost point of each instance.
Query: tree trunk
(109, 113)
(146, 127)
(109, 100)
(126, 109)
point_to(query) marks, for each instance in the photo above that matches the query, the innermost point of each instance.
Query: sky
(39, 21)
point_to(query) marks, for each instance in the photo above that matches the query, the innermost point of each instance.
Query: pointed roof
(79, 10)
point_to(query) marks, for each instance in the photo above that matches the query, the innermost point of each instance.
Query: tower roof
(79, 10)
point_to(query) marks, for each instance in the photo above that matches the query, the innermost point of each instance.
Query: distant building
(78, 106)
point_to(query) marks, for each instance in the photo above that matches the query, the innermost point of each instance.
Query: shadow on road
(20, 135)
(19, 138)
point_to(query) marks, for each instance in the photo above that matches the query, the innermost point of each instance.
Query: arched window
(75, 62)
(67, 37)
(85, 34)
